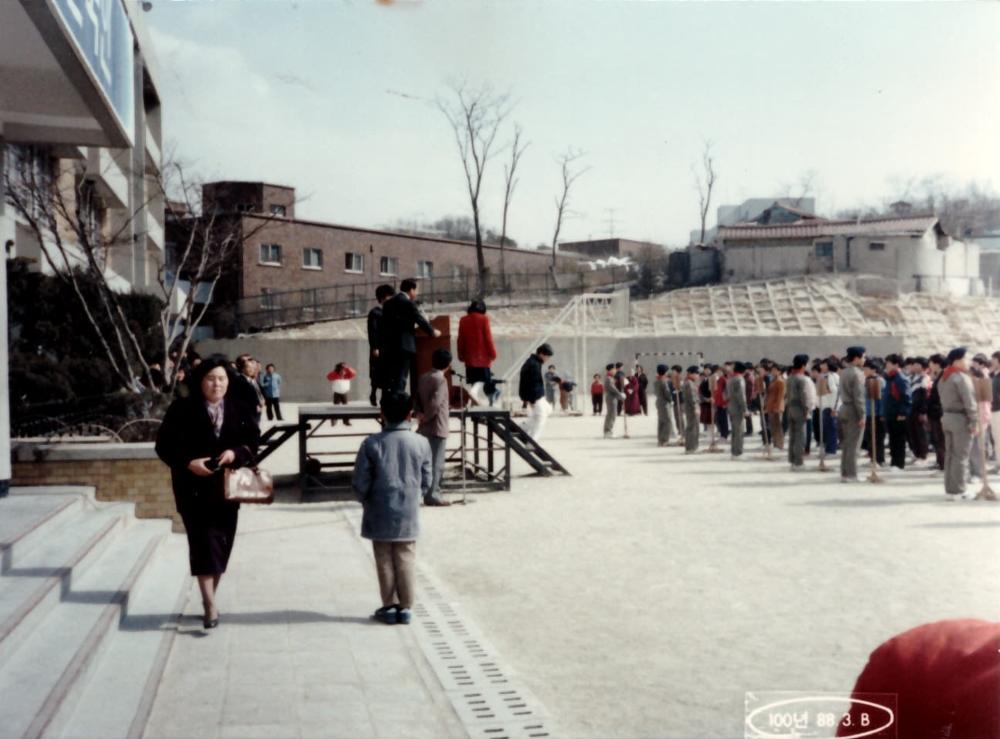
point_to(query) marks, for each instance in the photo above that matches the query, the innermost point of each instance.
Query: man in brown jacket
(774, 406)
(432, 410)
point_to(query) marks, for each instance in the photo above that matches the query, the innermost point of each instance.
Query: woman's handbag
(249, 485)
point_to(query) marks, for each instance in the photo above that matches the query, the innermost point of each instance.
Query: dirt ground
(647, 593)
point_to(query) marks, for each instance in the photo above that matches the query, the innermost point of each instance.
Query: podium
(426, 346)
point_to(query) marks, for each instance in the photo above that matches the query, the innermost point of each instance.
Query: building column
(137, 185)
(6, 234)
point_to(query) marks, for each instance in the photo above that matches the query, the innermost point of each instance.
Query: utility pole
(611, 221)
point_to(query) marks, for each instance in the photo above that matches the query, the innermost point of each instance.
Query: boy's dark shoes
(403, 616)
(435, 502)
(386, 614)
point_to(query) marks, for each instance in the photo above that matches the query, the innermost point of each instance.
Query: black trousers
(897, 441)
(375, 376)
(597, 400)
(273, 405)
(396, 371)
(483, 375)
(866, 443)
(937, 436)
(917, 433)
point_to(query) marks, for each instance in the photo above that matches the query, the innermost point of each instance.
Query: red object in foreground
(947, 679)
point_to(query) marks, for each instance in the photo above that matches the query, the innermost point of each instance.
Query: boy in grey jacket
(391, 474)
(662, 391)
(612, 397)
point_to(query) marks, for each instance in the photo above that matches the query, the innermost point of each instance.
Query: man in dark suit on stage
(382, 294)
(397, 336)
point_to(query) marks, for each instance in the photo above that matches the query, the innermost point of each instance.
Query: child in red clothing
(340, 382)
(597, 394)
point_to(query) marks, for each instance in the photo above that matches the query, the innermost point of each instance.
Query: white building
(78, 103)
(913, 251)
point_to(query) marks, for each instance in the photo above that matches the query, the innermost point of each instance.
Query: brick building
(283, 257)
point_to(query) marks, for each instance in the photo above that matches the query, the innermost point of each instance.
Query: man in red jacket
(477, 351)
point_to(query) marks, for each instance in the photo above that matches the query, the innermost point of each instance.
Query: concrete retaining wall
(303, 363)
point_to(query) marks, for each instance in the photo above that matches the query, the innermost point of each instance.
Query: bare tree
(705, 182)
(58, 208)
(207, 246)
(57, 205)
(475, 117)
(795, 194)
(510, 182)
(569, 176)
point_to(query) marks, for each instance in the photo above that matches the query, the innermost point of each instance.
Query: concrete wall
(303, 363)
(764, 261)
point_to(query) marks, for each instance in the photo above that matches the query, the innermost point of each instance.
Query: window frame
(267, 262)
(349, 255)
(876, 246)
(425, 274)
(277, 210)
(392, 270)
(826, 246)
(312, 250)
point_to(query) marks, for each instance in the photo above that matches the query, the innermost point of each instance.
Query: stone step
(118, 692)
(49, 666)
(42, 577)
(26, 518)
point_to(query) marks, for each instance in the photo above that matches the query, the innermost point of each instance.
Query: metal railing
(353, 300)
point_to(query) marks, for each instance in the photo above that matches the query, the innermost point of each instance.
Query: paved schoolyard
(644, 595)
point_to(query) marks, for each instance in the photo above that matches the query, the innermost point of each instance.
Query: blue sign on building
(101, 33)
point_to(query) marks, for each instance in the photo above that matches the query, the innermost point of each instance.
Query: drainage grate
(481, 687)
(527, 730)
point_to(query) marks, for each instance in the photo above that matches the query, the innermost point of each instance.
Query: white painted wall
(913, 261)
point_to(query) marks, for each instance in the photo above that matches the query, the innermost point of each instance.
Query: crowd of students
(916, 408)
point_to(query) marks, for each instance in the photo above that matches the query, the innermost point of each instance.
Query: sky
(336, 100)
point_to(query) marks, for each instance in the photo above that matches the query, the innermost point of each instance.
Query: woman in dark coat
(200, 435)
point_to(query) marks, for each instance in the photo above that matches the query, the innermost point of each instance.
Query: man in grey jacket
(612, 396)
(433, 412)
(852, 412)
(736, 405)
(960, 421)
(392, 473)
(664, 401)
(797, 408)
(689, 396)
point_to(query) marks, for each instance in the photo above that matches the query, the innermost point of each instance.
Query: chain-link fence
(352, 300)
(118, 417)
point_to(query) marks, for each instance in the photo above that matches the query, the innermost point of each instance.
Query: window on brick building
(425, 269)
(354, 262)
(278, 210)
(876, 246)
(270, 253)
(312, 258)
(824, 248)
(388, 266)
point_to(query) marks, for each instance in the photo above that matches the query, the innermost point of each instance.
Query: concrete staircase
(90, 599)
